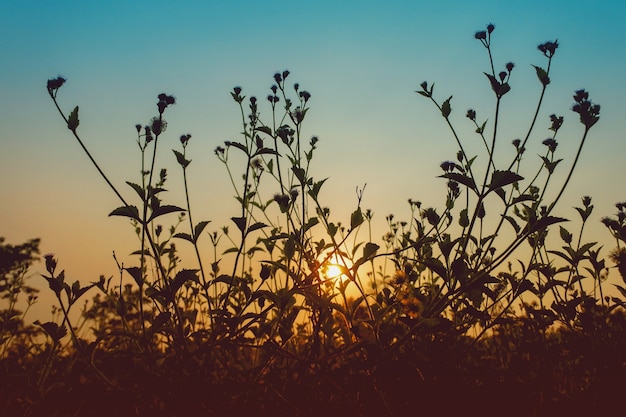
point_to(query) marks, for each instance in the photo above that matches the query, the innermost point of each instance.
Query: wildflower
(138, 127)
(557, 121)
(165, 101)
(589, 113)
(502, 75)
(516, 143)
(551, 144)
(285, 74)
(586, 201)
(158, 125)
(305, 95)
(296, 86)
(480, 35)
(510, 66)
(184, 139)
(548, 48)
(278, 78)
(54, 84)
(51, 263)
(490, 28)
(471, 114)
(447, 166)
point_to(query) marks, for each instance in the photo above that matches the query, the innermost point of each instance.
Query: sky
(360, 60)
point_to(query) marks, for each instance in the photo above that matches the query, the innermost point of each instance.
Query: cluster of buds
(589, 113)
(548, 48)
(165, 101)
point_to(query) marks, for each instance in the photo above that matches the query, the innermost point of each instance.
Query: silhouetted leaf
(446, 109)
(182, 277)
(315, 189)
(437, 267)
(239, 146)
(137, 189)
(500, 179)
(185, 236)
(513, 223)
(356, 219)
(135, 272)
(161, 210)
(72, 121)
(542, 75)
(126, 211)
(256, 226)
(370, 250)
(181, 159)
(461, 179)
(199, 228)
(240, 222)
(265, 129)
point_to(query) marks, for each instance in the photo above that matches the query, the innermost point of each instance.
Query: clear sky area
(361, 61)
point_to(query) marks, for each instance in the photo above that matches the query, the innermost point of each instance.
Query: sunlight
(335, 271)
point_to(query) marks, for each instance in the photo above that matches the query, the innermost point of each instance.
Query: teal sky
(361, 61)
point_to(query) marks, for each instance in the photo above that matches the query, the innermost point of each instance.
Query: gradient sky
(361, 61)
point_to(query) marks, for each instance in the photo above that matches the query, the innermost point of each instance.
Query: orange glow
(335, 270)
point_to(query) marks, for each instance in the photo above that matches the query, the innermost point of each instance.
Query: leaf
(182, 277)
(543, 223)
(135, 272)
(501, 179)
(72, 121)
(370, 250)
(161, 210)
(315, 189)
(240, 222)
(513, 223)
(185, 236)
(181, 159)
(126, 211)
(197, 231)
(461, 179)
(542, 75)
(265, 129)
(446, 109)
(300, 174)
(137, 189)
(239, 146)
(159, 322)
(565, 235)
(437, 267)
(356, 219)
(256, 226)
(481, 129)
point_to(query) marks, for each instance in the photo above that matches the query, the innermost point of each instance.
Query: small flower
(54, 84)
(516, 143)
(551, 144)
(51, 263)
(589, 113)
(184, 139)
(447, 166)
(305, 95)
(278, 78)
(296, 86)
(510, 66)
(586, 201)
(502, 75)
(490, 28)
(557, 121)
(237, 90)
(471, 114)
(285, 74)
(549, 48)
(138, 127)
(480, 35)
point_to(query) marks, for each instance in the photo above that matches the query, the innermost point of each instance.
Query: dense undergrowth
(289, 311)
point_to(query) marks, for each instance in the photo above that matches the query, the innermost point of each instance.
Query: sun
(335, 270)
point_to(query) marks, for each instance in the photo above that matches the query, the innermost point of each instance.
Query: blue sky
(361, 61)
